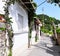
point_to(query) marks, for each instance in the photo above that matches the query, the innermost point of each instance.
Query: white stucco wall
(1, 6)
(14, 11)
(21, 37)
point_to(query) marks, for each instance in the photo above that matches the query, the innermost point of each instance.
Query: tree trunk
(54, 31)
(55, 34)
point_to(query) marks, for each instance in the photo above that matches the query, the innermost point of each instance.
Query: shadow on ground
(49, 46)
(45, 47)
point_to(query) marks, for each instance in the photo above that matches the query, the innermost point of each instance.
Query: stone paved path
(44, 47)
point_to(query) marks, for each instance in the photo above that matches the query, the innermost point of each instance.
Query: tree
(49, 23)
(54, 27)
(54, 1)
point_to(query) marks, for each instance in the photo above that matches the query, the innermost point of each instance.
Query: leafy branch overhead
(54, 1)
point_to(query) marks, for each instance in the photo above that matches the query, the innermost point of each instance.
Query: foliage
(35, 5)
(36, 38)
(44, 30)
(54, 1)
(8, 20)
(58, 30)
(3, 29)
(48, 21)
(10, 53)
(47, 26)
(50, 32)
(2, 15)
(8, 24)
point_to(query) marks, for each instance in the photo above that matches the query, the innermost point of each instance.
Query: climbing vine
(8, 25)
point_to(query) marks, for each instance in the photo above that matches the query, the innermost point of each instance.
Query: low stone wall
(2, 44)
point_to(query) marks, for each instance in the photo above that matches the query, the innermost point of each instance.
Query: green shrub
(36, 38)
(2, 29)
(10, 53)
(58, 30)
(50, 32)
(44, 30)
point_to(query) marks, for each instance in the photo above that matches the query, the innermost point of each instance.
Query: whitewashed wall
(20, 35)
(1, 6)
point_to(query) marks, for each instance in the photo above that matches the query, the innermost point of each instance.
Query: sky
(49, 9)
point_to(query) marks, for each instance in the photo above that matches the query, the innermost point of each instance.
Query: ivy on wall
(8, 25)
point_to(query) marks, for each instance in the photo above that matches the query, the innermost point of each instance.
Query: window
(20, 22)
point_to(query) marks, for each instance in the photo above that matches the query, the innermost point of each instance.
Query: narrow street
(45, 47)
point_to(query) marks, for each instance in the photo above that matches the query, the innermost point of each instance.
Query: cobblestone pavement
(45, 47)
